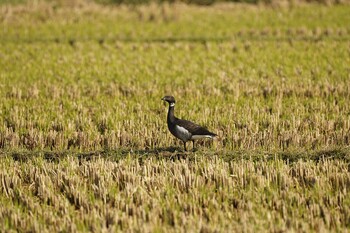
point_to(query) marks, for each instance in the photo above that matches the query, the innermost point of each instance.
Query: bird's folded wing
(193, 128)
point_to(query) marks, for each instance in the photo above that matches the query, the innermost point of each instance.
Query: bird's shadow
(162, 153)
(160, 150)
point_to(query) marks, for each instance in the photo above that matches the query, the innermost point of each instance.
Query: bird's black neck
(171, 116)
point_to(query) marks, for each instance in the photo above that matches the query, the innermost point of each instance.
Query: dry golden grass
(202, 194)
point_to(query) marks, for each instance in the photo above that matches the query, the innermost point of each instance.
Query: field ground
(84, 144)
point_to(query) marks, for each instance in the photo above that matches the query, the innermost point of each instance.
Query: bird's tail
(214, 136)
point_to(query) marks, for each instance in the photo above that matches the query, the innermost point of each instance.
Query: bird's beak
(162, 98)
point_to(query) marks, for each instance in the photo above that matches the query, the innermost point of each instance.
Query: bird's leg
(185, 146)
(193, 145)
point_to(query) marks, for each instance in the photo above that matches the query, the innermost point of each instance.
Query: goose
(183, 129)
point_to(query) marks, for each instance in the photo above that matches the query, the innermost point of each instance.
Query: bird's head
(170, 99)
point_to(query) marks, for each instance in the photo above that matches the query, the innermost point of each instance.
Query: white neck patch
(172, 104)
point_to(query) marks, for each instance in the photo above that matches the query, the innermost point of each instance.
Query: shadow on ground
(177, 153)
(169, 153)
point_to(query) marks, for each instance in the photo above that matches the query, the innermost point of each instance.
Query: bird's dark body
(183, 129)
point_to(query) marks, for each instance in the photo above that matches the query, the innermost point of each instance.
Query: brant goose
(183, 129)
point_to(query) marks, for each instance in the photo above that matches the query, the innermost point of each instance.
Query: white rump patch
(195, 137)
(182, 133)
(172, 104)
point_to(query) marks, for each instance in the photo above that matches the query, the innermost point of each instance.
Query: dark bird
(183, 129)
